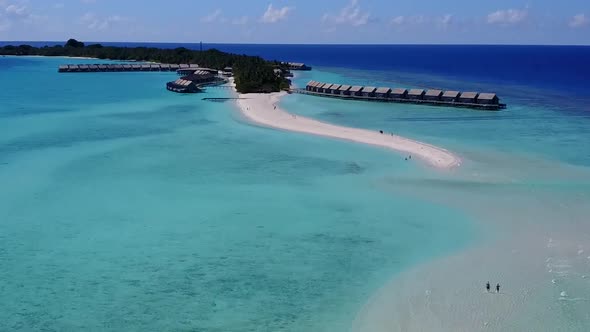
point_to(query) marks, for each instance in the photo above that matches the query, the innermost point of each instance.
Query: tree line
(251, 73)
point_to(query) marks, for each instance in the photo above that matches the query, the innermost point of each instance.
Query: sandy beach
(264, 109)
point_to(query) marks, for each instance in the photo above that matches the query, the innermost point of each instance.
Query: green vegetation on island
(252, 73)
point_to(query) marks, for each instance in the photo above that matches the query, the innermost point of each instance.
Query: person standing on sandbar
(497, 288)
(488, 286)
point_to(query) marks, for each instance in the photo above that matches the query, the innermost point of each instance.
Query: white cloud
(579, 20)
(507, 16)
(273, 15)
(94, 22)
(350, 14)
(445, 20)
(214, 16)
(240, 21)
(15, 10)
(409, 20)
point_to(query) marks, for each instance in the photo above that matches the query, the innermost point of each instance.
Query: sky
(299, 21)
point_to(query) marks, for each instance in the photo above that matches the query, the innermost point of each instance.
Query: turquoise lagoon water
(126, 207)
(524, 182)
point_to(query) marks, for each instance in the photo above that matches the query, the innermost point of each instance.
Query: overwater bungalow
(334, 89)
(488, 99)
(136, 67)
(344, 90)
(450, 96)
(73, 68)
(83, 68)
(200, 77)
(331, 88)
(369, 91)
(297, 66)
(118, 67)
(154, 67)
(93, 68)
(194, 66)
(62, 68)
(145, 67)
(165, 67)
(102, 67)
(174, 67)
(309, 85)
(416, 94)
(433, 95)
(356, 91)
(321, 88)
(182, 86)
(382, 92)
(399, 93)
(182, 66)
(468, 97)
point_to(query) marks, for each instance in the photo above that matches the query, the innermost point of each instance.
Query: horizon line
(296, 44)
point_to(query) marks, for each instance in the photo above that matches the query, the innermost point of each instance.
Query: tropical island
(251, 73)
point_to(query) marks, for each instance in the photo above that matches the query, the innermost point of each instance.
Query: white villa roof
(469, 95)
(356, 88)
(434, 93)
(369, 89)
(486, 96)
(399, 91)
(416, 92)
(451, 94)
(383, 90)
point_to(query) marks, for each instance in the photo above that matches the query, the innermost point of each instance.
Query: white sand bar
(260, 108)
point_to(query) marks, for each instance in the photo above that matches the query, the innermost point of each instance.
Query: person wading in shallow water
(488, 286)
(497, 288)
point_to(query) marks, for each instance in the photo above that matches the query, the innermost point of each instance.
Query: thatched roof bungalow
(488, 99)
(356, 91)
(73, 68)
(369, 91)
(331, 88)
(468, 97)
(433, 95)
(322, 87)
(344, 90)
(416, 94)
(399, 93)
(450, 96)
(382, 92)
(182, 86)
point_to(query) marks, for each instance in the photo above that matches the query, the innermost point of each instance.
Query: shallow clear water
(125, 207)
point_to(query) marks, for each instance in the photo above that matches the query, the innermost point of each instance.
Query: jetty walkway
(92, 68)
(475, 100)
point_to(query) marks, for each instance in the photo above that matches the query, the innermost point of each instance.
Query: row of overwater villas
(403, 94)
(125, 67)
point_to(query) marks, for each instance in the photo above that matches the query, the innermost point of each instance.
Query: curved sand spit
(260, 108)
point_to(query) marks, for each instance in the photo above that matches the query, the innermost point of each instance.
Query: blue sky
(300, 21)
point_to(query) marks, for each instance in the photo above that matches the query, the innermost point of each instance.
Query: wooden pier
(474, 100)
(126, 67)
